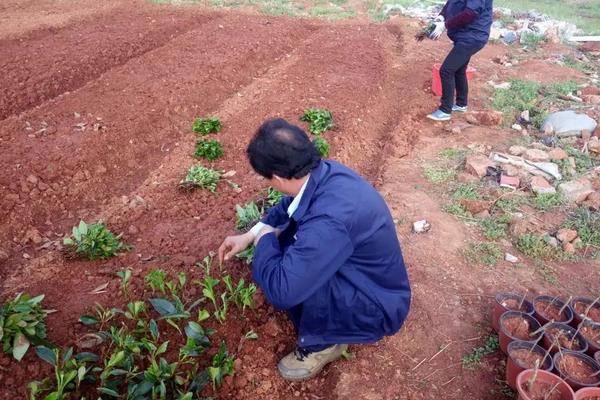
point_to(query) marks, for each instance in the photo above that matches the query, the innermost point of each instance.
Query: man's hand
(233, 245)
(440, 26)
(266, 229)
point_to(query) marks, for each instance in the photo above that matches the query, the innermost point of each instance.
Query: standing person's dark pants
(454, 75)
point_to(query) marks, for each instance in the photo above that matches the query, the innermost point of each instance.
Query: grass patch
(512, 204)
(583, 161)
(439, 174)
(483, 253)
(466, 191)
(322, 146)
(473, 359)
(331, 13)
(570, 62)
(548, 201)
(453, 153)
(583, 13)
(587, 225)
(537, 247)
(562, 88)
(457, 210)
(546, 272)
(495, 227)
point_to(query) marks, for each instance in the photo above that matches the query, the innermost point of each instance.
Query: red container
(436, 80)
(500, 309)
(505, 335)
(546, 378)
(587, 393)
(593, 346)
(514, 367)
(574, 382)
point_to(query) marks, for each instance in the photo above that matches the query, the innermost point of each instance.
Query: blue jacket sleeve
(277, 215)
(476, 6)
(289, 278)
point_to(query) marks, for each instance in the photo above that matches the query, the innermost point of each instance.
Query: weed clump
(587, 225)
(473, 359)
(483, 253)
(537, 247)
(246, 216)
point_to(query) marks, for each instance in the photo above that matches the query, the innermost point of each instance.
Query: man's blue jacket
(476, 32)
(337, 266)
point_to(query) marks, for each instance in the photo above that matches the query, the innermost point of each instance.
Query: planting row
(125, 356)
(549, 335)
(199, 176)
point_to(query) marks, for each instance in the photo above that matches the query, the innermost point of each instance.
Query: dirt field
(95, 112)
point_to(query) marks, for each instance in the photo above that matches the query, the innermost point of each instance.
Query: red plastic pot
(587, 393)
(544, 377)
(543, 301)
(500, 309)
(506, 337)
(574, 382)
(514, 367)
(593, 345)
(549, 344)
(577, 318)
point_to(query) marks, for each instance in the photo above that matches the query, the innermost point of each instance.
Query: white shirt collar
(296, 202)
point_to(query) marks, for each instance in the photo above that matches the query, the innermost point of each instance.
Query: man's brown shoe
(298, 366)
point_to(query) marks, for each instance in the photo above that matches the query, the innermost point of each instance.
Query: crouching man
(328, 253)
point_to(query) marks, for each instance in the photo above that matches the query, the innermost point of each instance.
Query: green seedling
(209, 149)
(93, 241)
(22, 322)
(103, 316)
(221, 313)
(319, 119)
(205, 126)
(322, 146)
(208, 289)
(69, 372)
(274, 197)
(425, 31)
(247, 216)
(247, 255)
(199, 176)
(241, 295)
(155, 279)
(197, 341)
(125, 277)
(251, 335)
(222, 364)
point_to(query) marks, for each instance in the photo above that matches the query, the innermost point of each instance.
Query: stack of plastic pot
(552, 345)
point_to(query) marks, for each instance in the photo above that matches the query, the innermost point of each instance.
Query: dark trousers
(454, 75)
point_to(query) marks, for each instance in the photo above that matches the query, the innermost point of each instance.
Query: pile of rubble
(509, 27)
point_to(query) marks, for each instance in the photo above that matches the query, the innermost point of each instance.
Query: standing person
(328, 253)
(468, 23)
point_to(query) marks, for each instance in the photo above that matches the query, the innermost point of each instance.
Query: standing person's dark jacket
(468, 21)
(337, 265)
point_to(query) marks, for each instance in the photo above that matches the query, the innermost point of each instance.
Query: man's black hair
(282, 149)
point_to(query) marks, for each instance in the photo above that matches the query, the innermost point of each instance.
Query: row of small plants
(199, 176)
(133, 360)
